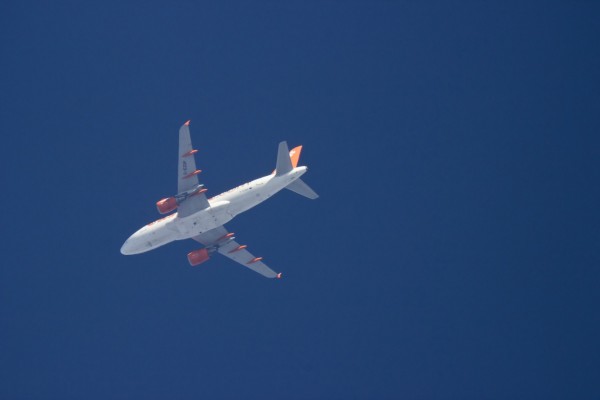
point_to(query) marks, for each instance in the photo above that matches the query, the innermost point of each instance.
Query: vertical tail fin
(284, 163)
(287, 161)
(294, 156)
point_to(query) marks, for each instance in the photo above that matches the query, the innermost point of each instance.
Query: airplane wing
(187, 175)
(223, 242)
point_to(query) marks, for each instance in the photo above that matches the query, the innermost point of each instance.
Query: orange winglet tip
(240, 247)
(187, 123)
(200, 191)
(279, 275)
(255, 259)
(196, 172)
(189, 153)
(226, 236)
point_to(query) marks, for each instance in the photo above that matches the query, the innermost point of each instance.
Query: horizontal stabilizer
(298, 186)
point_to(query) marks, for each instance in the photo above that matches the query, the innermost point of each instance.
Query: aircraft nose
(130, 245)
(135, 243)
(126, 249)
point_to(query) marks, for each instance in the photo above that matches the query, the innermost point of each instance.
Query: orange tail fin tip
(295, 155)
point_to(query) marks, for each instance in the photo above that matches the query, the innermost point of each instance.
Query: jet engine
(166, 205)
(197, 257)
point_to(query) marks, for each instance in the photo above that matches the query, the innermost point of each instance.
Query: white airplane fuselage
(223, 208)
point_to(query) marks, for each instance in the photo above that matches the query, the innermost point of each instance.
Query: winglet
(187, 123)
(279, 275)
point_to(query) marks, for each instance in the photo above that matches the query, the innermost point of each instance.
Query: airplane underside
(203, 220)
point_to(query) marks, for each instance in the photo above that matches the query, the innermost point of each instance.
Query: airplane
(202, 219)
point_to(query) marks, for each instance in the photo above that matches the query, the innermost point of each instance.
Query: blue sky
(453, 253)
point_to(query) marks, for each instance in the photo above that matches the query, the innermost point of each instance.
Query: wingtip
(187, 123)
(279, 275)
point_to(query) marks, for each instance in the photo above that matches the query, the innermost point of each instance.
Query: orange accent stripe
(196, 172)
(241, 247)
(255, 259)
(158, 220)
(189, 153)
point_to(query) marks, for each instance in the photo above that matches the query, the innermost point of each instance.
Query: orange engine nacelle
(166, 205)
(197, 257)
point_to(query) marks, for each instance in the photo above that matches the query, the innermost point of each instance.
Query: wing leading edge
(224, 242)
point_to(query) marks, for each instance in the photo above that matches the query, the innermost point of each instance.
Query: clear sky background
(454, 252)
